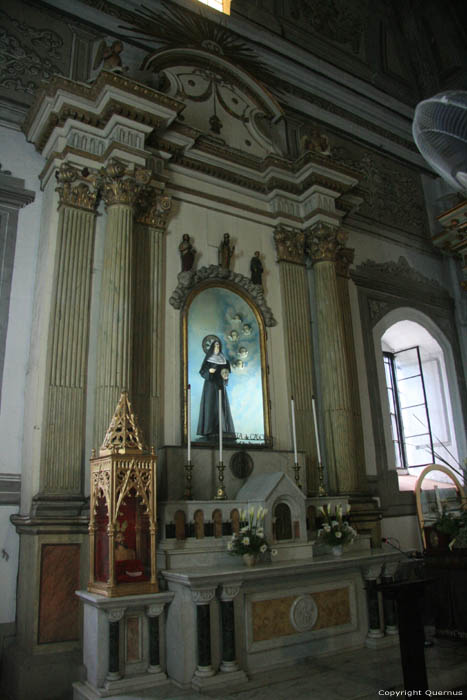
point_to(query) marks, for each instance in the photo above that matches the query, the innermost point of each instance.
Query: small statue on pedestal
(226, 252)
(256, 269)
(187, 253)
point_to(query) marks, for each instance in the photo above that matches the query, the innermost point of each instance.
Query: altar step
(354, 675)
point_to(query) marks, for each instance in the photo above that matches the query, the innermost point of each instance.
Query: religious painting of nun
(224, 348)
(215, 371)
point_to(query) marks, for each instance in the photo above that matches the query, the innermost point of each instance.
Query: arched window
(417, 401)
(219, 5)
(282, 522)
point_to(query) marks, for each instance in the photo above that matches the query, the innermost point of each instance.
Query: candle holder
(296, 468)
(220, 493)
(321, 489)
(188, 468)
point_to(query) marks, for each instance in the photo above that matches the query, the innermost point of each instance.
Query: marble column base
(381, 642)
(220, 680)
(204, 671)
(229, 666)
(85, 691)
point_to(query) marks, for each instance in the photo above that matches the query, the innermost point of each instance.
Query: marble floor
(359, 675)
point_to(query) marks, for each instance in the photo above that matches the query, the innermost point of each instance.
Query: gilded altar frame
(263, 357)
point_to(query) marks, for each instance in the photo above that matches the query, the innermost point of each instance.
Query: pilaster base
(381, 642)
(40, 676)
(220, 680)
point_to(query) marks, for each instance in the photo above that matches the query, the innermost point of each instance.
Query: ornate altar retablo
(122, 526)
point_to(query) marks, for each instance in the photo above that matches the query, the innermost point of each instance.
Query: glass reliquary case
(122, 526)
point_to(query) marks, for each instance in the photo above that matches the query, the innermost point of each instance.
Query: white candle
(293, 432)
(188, 418)
(220, 426)
(316, 430)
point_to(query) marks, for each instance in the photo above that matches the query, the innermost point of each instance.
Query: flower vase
(337, 550)
(249, 559)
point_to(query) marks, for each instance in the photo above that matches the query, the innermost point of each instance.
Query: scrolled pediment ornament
(187, 281)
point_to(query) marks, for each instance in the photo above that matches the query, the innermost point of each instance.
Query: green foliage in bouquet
(335, 528)
(250, 539)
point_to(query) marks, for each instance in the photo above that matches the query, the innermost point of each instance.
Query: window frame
(389, 359)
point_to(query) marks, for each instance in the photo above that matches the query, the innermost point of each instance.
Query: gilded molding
(290, 245)
(344, 259)
(325, 242)
(79, 195)
(92, 92)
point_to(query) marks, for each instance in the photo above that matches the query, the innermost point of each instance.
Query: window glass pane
(418, 451)
(410, 392)
(415, 421)
(406, 363)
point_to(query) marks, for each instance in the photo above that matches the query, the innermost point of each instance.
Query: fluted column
(297, 321)
(62, 458)
(120, 188)
(344, 259)
(152, 214)
(324, 242)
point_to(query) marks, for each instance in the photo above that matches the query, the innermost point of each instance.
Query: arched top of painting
(192, 282)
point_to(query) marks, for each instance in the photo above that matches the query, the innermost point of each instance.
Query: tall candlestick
(294, 436)
(438, 501)
(188, 418)
(220, 426)
(316, 430)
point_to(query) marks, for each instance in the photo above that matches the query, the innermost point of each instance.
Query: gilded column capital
(153, 208)
(121, 184)
(73, 191)
(325, 241)
(290, 245)
(344, 259)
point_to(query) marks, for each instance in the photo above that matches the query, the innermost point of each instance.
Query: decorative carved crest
(188, 280)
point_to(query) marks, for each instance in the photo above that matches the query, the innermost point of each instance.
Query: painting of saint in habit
(215, 371)
(224, 352)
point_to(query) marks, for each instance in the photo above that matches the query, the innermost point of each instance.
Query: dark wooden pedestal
(409, 598)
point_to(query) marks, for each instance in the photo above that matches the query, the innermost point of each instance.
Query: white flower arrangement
(335, 529)
(251, 539)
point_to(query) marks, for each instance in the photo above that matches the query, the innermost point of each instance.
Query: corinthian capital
(121, 184)
(325, 241)
(290, 245)
(153, 208)
(73, 191)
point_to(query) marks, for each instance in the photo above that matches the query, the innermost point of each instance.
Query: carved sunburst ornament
(176, 28)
